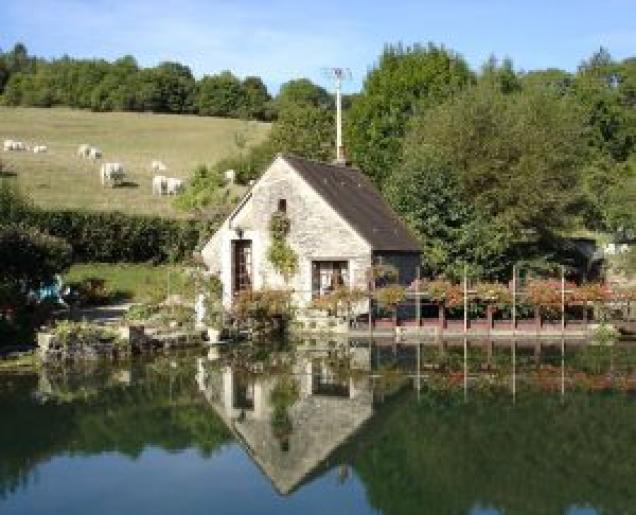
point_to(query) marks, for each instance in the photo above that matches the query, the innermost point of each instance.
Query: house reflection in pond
(330, 408)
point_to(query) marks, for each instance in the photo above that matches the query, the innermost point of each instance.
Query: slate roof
(354, 197)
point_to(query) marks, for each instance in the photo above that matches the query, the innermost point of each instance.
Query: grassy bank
(131, 283)
(60, 180)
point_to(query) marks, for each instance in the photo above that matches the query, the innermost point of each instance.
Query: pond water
(326, 427)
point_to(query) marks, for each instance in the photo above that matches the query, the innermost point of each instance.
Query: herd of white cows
(19, 146)
(111, 174)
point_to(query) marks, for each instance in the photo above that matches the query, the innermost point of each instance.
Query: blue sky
(283, 39)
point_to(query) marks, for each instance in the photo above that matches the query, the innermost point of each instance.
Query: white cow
(112, 174)
(159, 185)
(174, 186)
(12, 145)
(94, 153)
(230, 176)
(83, 150)
(40, 149)
(158, 166)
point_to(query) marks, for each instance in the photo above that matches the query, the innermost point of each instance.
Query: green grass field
(58, 179)
(132, 282)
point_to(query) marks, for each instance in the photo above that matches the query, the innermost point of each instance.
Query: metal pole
(562, 368)
(465, 302)
(514, 371)
(418, 318)
(371, 284)
(514, 300)
(562, 300)
(339, 156)
(418, 304)
(465, 369)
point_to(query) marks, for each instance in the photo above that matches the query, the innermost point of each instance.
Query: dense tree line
(123, 85)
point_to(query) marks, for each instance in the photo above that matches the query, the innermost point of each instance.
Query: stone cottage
(339, 225)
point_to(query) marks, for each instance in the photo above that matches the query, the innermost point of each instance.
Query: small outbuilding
(338, 227)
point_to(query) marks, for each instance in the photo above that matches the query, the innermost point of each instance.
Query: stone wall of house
(316, 233)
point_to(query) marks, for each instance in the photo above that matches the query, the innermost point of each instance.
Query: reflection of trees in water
(282, 397)
(161, 407)
(539, 456)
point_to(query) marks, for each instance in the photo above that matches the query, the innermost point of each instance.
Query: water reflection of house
(331, 407)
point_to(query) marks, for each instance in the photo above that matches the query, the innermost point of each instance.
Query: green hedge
(118, 237)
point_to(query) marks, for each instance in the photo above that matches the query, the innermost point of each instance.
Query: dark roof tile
(354, 197)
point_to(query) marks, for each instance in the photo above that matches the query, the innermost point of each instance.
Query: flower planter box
(526, 325)
(502, 325)
(455, 325)
(384, 323)
(480, 323)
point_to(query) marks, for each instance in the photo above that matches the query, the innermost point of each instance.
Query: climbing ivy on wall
(280, 254)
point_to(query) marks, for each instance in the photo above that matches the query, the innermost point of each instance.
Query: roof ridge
(286, 155)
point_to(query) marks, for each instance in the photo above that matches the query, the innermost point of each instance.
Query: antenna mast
(338, 75)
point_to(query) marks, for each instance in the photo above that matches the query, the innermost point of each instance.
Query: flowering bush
(340, 298)
(262, 306)
(591, 292)
(494, 293)
(547, 293)
(443, 292)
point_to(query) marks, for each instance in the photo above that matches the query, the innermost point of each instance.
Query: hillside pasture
(58, 179)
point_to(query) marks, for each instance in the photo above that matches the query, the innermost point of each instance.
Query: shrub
(83, 334)
(118, 237)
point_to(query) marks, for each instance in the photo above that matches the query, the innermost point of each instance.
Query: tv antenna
(338, 75)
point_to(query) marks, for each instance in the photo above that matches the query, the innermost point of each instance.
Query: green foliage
(280, 254)
(142, 312)
(83, 334)
(302, 92)
(219, 95)
(207, 193)
(500, 75)
(405, 82)
(390, 296)
(122, 85)
(104, 237)
(264, 310)
(29, 258)
(92, 291)
(501, 172)
(117, 237)
(605, 335)
(212, 290)
(306, 131)
(342, 299)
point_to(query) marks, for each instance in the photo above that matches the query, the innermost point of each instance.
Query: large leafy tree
(257, 99)
(488, 173)
(606, 89)
(302, 92)
(405, 82)
(219, 95)
(306, 131)
(167, 88)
